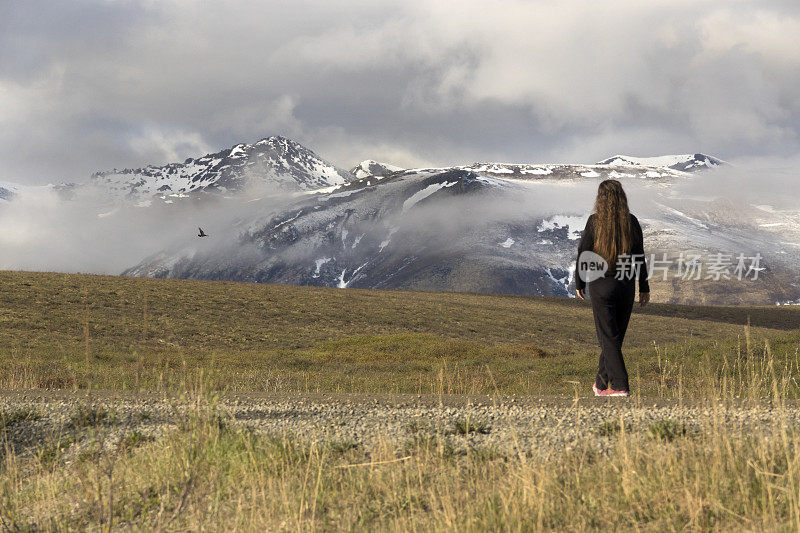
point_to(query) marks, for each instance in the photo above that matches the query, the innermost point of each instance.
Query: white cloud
(424, 82)
(160, 144)
(770, 34)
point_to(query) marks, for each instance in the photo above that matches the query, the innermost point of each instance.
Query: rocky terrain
(508, 425)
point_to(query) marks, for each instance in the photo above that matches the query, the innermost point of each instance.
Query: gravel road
(505, 424)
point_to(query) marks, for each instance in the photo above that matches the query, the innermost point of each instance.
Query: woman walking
(615, 236)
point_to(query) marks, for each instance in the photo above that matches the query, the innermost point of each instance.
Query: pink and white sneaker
(597, 392)
(611, 392)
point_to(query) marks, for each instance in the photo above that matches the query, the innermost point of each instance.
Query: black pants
(612, 303)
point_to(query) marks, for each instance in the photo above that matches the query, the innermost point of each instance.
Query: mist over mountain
(278, 213)
(488, 227)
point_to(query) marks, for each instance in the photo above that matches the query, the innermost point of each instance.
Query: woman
(614, 234)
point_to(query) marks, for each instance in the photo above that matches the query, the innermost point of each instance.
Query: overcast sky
(88, 85)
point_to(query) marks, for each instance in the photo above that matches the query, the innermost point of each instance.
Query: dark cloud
(92, 85)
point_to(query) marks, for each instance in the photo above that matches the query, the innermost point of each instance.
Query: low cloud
(44, 231)
(90, 233)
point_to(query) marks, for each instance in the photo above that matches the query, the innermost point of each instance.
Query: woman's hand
(580, 294)
(644, 298)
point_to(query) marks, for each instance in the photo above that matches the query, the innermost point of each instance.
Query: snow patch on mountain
(424, 193)
(319, 263)
(573, 224)
(539, 171)
(370, 168)
(493, 168)
(682, 162)
(563, 281)
(387, 240)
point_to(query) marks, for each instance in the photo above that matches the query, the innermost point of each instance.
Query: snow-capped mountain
(483, 227)
(409, 230)
(369, 168)
(480, 228)
(549, 172)
(275, 163)
(617, 167)
(682, 162)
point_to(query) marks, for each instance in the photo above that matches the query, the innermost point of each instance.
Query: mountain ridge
(285, 165)
(494, 228)
(681, 162)
(672, 165)
(277, 162)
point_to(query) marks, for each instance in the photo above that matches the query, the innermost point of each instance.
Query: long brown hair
(612, 227)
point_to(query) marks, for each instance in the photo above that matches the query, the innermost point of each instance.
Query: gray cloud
(93, 85)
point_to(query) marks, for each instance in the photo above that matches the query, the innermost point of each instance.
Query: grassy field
(82, 331)
(203, 340)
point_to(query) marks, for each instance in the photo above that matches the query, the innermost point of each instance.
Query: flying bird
(202, 233)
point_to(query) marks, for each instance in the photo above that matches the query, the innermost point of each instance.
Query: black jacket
(637, 251)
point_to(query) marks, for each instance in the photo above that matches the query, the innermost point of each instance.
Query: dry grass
(207, 474)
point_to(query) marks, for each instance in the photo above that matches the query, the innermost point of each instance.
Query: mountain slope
(276, 163)
(409, 232)
(484, 227)
(480, 228)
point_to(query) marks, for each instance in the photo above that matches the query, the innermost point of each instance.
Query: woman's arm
(641, 262)
(586, 243)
